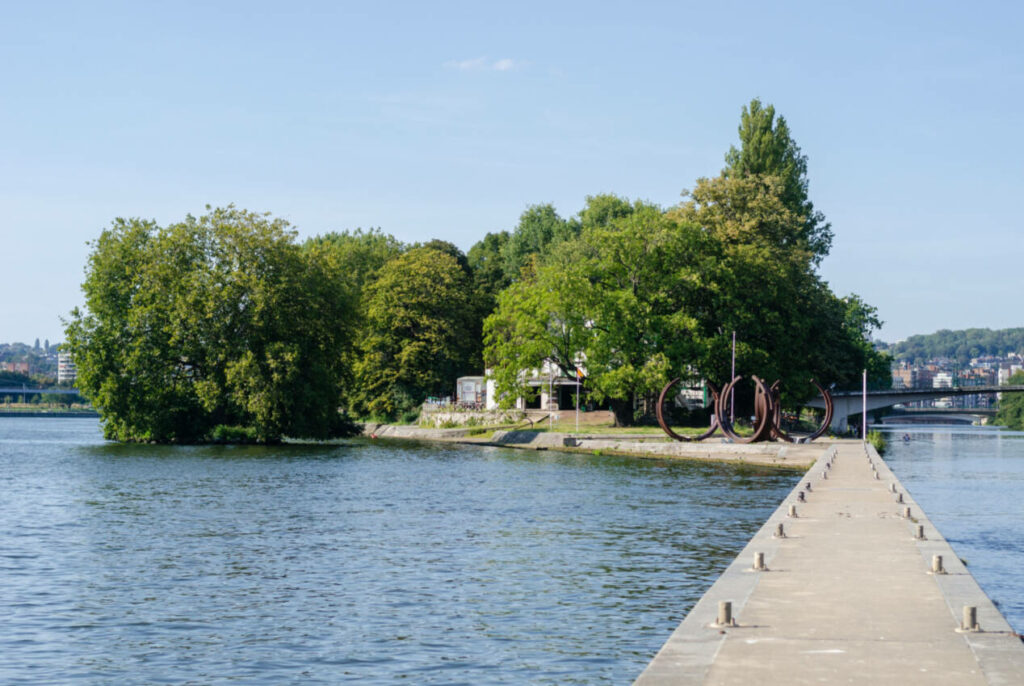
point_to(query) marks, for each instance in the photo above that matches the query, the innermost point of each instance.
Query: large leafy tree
(612, 302)
(540, 228)
(420, 332)
(220, 319)
(1011, 406)
(353, 260)
(765, 287)
(488, 265)
(768, 150)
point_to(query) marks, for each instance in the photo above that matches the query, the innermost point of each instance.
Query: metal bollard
(892, 487)
(920, 532)
(970, 620)
(937, 567)
(759, 563)
(780, 531)
(725, 614)
(824, 474)
(808, 486)
(792, 511)
(899, 497)
(801, 497)
(906, 513)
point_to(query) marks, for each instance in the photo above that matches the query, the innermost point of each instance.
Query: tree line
(228, 320)
(962, 345)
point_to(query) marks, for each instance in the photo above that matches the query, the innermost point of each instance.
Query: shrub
(222, 433)
(876, 439)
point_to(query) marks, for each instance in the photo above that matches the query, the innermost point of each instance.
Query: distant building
(904, 377)
(66, 370)
(470, 390)
(19, 367)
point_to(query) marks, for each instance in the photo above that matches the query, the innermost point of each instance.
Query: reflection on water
(969, 481)
(365, 562)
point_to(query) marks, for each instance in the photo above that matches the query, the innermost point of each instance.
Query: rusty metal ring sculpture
(664, 425)
(763, 410)
(767, 414)
(777, 430)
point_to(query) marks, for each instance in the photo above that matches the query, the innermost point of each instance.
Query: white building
(66, 370)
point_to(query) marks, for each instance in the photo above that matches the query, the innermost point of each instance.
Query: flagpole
(577, 401)
(864, 409)
(732, 392)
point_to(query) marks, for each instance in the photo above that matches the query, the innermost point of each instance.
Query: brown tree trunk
(622, 410)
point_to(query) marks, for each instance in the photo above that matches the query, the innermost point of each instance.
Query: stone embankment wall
(451, 417)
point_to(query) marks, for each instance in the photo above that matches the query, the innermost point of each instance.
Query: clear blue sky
(447, 119)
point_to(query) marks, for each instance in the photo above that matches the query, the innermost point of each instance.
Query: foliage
(419, 336)
(608, 302)
(539, 230)
(642, 295)
(768, 150)
(876, 439)
(355, 256)
(789, 324)
(232, 434)
(962, 345)
(488, 266)
(1011, 406)
(217, 320)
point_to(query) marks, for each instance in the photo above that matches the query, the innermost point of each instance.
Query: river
(382, 562)
(366, 562)
(970, 481)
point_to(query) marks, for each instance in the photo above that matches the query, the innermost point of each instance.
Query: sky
(448, 119)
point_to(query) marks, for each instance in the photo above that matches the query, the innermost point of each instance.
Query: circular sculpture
(763, 411)
(664, 425)
(777, 430)
(767, 414)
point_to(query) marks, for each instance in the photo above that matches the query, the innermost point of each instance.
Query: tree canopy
(962, 345)
(226, 320)
(1011, 406)
(420, 336)
(216, 320)
(768, 150)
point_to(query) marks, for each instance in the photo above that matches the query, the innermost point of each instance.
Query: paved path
(848, 597)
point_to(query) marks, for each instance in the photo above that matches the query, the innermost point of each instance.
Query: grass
(569, 426)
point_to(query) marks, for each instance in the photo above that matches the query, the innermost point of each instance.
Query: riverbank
(49, 413)
(653, 445)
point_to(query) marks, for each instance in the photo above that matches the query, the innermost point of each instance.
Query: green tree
(220, 319)
(767, 149)
(614, 302)
(487, 263)
(1011, 406)
(789, 324)
(539, 229)
(355, 257)
(420, 333)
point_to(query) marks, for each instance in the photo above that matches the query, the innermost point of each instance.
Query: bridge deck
(848, 598)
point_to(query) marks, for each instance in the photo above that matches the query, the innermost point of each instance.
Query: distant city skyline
(445, 121)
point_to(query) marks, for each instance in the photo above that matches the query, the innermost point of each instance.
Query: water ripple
(363, 562)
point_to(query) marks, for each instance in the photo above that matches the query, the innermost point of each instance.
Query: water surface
(369, 562)
(970, 482)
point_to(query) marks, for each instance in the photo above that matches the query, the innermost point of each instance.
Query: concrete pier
(852, 592)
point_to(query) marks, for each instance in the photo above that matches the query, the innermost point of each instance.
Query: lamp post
(732, 392)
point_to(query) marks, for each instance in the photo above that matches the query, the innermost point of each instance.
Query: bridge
(24, 390)
(849, 403)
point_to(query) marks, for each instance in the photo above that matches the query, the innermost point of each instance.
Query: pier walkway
(848, 596)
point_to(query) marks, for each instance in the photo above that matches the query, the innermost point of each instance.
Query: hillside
(960, 345)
